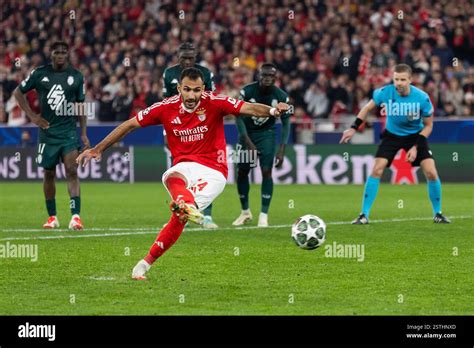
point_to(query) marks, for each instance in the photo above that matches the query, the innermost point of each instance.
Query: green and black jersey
(171, 78)
(252, 93)
(58, 91)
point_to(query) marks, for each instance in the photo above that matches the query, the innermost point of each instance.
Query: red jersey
(196, 136)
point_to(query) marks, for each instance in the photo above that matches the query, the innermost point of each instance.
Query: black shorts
(391, 144)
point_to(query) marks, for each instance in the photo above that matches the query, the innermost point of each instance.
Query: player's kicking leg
(190, 193)
(49, 188)
(183, 209)
(70, 165)
(370, 190)
(434, 190)
(243, 188)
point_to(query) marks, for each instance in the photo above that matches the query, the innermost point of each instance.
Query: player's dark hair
(186, 46)
(191, 73)
(268, 66)
(401, 68)
(58, 44)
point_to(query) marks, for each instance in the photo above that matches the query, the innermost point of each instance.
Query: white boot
(245, 216)
(263, 220)
(209, 223)
(52, 222)
(140, 270)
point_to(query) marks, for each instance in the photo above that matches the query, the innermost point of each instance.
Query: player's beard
(190, 103)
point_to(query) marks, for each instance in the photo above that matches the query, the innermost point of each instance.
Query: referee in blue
(409, 123)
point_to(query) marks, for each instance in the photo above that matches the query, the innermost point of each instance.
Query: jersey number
(199, 187)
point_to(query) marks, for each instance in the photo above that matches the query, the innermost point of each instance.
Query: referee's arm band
(357, 123)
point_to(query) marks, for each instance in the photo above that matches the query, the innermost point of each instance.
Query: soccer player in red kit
(193, 121)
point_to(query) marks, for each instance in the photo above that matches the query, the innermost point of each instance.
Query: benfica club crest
(201, 113)
(402, 171)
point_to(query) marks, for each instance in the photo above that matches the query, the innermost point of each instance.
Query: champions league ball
(308, 232)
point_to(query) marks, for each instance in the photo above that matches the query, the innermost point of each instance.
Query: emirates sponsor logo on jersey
(55, 97)
(191, 134)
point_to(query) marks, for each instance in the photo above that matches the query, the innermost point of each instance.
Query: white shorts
(205, 183)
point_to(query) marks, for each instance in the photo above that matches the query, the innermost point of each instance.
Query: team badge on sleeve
(143, 113)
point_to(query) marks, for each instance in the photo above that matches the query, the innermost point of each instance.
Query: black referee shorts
(391, 143)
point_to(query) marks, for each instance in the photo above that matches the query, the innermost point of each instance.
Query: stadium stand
(331, 54)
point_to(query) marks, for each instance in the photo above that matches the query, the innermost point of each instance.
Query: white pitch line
(154, 230)
(101, 278)
(83, 230)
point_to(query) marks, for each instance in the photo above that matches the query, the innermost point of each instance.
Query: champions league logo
(117, 167)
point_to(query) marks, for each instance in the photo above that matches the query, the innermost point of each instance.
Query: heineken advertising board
(303, 164)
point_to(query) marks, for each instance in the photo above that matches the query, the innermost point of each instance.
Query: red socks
(171, 232)
(167, 237)
(177, 188)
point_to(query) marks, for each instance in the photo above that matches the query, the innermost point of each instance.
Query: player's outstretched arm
(118, 133)
(262, 110)
(361, 117)
(25, 106)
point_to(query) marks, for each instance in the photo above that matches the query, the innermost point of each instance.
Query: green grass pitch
(410, 266)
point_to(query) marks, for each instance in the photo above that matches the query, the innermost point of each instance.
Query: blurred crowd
(330, 54)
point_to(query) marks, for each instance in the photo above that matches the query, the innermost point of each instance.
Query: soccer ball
(308, 232)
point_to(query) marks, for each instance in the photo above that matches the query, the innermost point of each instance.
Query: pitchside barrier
(303, 164)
